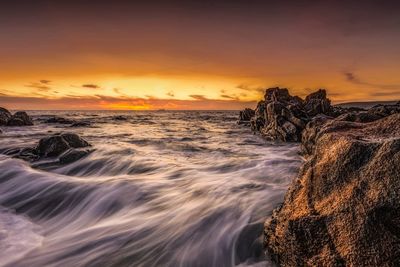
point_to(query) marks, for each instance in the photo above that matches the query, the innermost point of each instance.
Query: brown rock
(344, 207)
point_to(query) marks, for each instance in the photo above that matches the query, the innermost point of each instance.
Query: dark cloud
(45, 81)
(198, 97)
(90, 85)
(229, 97)
(353, 78)
(171, 94)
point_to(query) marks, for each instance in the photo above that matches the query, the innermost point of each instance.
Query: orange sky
(191, 55)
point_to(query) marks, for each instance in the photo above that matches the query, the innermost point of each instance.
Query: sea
(160, 188)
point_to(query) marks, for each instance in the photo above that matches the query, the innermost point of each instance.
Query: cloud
(198, 97)
(353, 78)
(42, 85)
(247, 87)
(171, 94)
(97, 102)
(229, 97)
(90, 85)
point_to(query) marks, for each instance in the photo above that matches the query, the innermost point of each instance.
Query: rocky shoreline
(343, 208)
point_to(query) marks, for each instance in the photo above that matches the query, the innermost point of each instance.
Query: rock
(27, 154)
(258, 120)
(317, 103)
(344, 207)
(73, 155)
(359, 117)
(246, 115)
(5, 115)
(57, 144)
(60, 120)
(20, 118)
(81, 124)
(120, 118)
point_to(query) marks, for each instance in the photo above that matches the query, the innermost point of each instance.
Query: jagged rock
(359, 117)
(20, 118)
(246, 115)
(317, 103)
(5, 115)
(344, 207)
(57, 144)
(60, 120)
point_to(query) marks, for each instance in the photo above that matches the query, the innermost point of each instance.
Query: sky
(194, 54)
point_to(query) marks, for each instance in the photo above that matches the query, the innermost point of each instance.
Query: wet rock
(246, 115)
(59, 120)
(5, 115)
(120, 118)
(81, 124)
(20, 118)
(344, 207)
(73, 155)
(27, 154)
(57, 144)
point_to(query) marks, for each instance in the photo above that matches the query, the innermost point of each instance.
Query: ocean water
(161, 188)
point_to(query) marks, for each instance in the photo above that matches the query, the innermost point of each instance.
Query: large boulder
(20, 118)
(57, 144)
(344, 207)
(5, 115)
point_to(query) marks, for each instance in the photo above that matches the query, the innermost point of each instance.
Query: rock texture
(66, 146)
(245, 115)
(281, 116)
(343, 209)
(20, 118)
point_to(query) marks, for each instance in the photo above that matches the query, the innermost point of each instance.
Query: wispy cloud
(91, 85)
(42, 85)
(353, 78)
(109, 102)
(199, 97)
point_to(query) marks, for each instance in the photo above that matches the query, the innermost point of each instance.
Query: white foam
(18, 236)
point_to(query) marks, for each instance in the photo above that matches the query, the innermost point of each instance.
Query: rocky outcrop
(245, 115)
(20, 118)
(343, 209)
(283, 117)
(65, 146)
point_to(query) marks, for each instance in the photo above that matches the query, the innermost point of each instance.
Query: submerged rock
(59, 120)
(81, 124)
(344, 207)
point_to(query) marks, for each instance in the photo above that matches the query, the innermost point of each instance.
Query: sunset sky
(194, 54)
